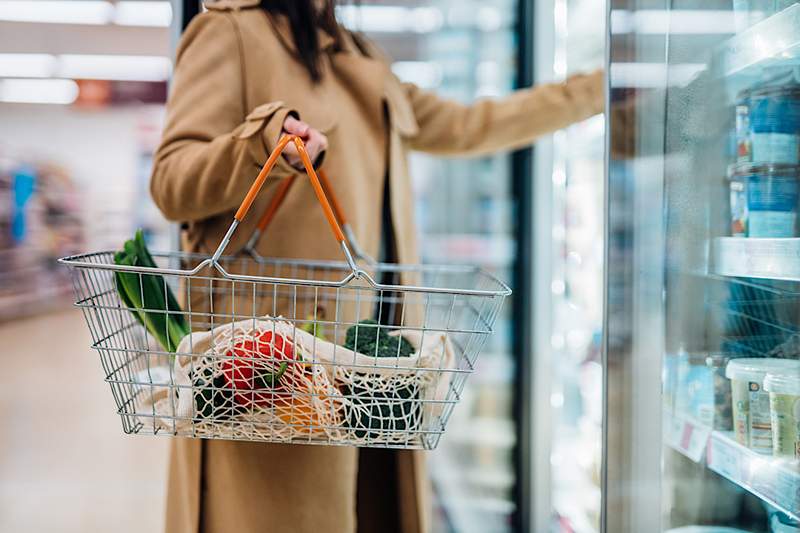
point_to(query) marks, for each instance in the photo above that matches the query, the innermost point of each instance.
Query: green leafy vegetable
(148, 296)
(395, 408)
(368, 338)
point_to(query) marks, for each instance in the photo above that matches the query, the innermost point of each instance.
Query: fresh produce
(368, 338)
(381, 403)
(393, 408)
(253, 369)
(312, 327)
(148, 296)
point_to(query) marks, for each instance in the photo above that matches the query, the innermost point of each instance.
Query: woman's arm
(451, 128)
(213, 146)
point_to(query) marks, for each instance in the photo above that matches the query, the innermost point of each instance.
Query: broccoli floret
(368, 338)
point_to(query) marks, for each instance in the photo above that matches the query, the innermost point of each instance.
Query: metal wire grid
(401, 412)
(758, 320)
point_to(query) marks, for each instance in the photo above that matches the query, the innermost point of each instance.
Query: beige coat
(236, 79)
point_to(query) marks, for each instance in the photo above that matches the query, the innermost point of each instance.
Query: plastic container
(784, 404)
(774, 116)
(752, 423)
(695, 389)
(723, 404)
(764, 200)
(743, 143)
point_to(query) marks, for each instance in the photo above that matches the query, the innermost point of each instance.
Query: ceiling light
(96, 12)
(54, 11)
(149, 13)
(114, 67)
(27, 65)
(33, 91)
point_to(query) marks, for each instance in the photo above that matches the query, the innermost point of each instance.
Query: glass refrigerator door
(465, 213)
(702, 403)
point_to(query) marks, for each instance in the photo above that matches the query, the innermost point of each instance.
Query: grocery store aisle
(65, 464)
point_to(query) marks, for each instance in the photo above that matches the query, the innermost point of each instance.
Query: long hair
(305, 18)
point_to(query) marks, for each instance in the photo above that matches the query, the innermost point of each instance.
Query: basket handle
(280, 196)
(255, 188)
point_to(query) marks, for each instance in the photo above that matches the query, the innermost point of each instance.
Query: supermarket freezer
(702, 307)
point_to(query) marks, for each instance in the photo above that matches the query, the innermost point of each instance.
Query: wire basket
(349, 352)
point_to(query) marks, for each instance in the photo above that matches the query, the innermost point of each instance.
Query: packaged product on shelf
(743, 146)
(695, 391)
(784, 403)
(750, 403)
(723, 405)
(775, 124)
(764, 200)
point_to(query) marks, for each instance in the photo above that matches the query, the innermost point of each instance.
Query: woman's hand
(316, 143)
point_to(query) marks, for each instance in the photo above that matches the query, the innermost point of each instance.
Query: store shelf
(775, 40)
(757, 258)
(775, 481)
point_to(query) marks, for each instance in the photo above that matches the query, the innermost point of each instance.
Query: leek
(148, 296)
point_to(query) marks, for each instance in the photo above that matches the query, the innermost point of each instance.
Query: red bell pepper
(253, 369)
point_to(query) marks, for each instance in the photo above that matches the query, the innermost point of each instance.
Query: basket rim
(80, 261)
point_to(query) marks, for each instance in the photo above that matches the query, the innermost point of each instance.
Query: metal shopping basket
(292, 351)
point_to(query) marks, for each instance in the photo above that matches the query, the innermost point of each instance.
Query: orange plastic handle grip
(277, 200)
(337, 207)
(312, 175)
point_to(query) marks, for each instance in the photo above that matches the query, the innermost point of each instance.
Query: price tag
(688, 437)
(724, 459)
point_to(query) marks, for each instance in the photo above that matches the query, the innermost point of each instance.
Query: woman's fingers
(297, 127)
(315, 142)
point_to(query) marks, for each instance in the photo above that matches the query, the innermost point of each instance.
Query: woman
(248, 71)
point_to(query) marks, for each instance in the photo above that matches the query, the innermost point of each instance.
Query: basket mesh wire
(222, 381)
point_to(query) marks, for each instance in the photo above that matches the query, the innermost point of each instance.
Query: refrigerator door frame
(633, 329)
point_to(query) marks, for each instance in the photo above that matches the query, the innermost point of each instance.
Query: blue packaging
(764, 200)
(774, 116)
(742, 133)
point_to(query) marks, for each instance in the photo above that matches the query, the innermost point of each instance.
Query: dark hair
(305, 18)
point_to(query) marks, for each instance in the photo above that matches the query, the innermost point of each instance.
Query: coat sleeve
(450, 128)
(213, 146)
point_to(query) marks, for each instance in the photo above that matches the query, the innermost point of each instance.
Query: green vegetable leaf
(368, 338)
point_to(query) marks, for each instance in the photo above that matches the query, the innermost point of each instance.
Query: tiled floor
(65, 464)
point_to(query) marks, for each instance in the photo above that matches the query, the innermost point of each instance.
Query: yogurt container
(774, 116)
(752, 419)
(784, 404)
(764, 200)
(743, 144)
